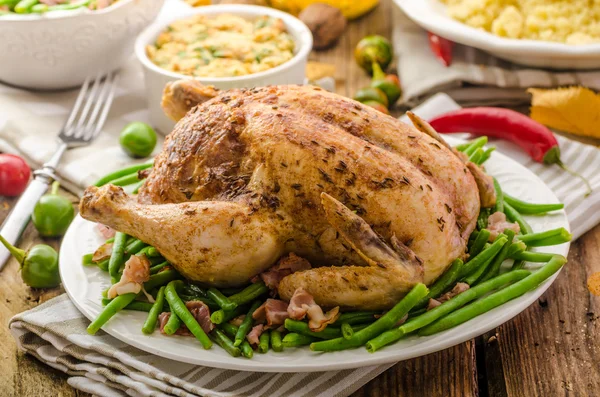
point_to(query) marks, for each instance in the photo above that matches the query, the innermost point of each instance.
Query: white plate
(431, 15)
(85, 285)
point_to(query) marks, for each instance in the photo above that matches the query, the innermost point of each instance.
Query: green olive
(371, 94)
(39, 265)
(53, 214)
(373, 49)
(138, 139)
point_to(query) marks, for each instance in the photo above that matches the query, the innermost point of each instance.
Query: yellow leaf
(573, 109)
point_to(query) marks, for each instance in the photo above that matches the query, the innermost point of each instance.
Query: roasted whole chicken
(249, 175)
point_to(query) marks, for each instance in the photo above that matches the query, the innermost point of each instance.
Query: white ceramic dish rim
(303, 42)
(72, 282)
(66, 14)
(443, 25)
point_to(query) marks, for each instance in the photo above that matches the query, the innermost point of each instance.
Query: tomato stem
(55, 186)
(19, 254)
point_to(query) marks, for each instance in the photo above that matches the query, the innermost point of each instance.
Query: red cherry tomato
(14, 175)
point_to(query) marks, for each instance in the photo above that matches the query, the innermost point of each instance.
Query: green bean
(24, 6)
(162, 278)
(208, 302)
(159, 267)
(496, 299)
(126, 180)
(193, 289)
(486, 155)
(301, 327)
(110, 310)
(499, 196)
(518, 264)
(449, 306)
(137, 306)
(179, 308)
(123, 172)
(295, 340)
(463, 146)
(483, 256)
(86, 260)
(112, 239)
(472, 278)
(220, 316)
(532, 256)
(482, 218)
(10, 3)
(137, 186)
(135, 246)
(231, 291)
(226, 343)
(475, 144)
(384, 323)
(530, 208)
(347, 331)
(494, 269)
(149, 251)
(230, 330)
(514, 216)
(482, 237)
(39, 8)
(173, 324)
(150, 323)
(276, 343)
(247, 295)
(355, 318)
(221, 300)
(443, 283)
(263, 342)
(549, 237)
(476, 156)
(116, 258)
(516, 247)
(246, 324)
(60, 7)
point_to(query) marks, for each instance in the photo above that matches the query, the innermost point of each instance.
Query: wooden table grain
(550, 349)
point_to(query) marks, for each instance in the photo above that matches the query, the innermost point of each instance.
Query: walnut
(326, 23)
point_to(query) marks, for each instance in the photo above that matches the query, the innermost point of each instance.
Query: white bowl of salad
(57, 44)
(226, 46)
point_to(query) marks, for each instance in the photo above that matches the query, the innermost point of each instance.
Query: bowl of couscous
(558, 34)
(227, 46)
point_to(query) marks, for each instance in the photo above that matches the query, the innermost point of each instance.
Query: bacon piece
(286, 266)
(201, 313)
(105, 231)
(163, 318)
(136, 272)
(273, 312)
(103, 252)
(52, 2)
(303, 304)
(237, 321)
(497, 223)
(254, 334)
(433, 303)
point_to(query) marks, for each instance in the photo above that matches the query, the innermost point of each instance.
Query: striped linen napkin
(474, 77)
(55, 332)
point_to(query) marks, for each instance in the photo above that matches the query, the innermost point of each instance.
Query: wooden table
(550, 349)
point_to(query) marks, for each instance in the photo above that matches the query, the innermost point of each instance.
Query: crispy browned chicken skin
(254, 173)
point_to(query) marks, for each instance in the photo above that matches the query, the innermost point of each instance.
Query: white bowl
(60, 49)
(290, 72)
(431, 15)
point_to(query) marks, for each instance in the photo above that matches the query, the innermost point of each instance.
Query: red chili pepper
(536, 139)
(441, 47)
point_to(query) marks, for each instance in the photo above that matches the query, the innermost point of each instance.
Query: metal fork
(83, 125)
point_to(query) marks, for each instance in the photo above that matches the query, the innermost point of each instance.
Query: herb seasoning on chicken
(222, 46)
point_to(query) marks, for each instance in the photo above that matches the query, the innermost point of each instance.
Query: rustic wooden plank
(552, 348)
(450, 372)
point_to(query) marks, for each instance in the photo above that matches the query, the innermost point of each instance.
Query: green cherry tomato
(53, 214)
(371, 94)
(138, 139)
(373, 49)
(389, 84)
(377, 106)
(39, 265)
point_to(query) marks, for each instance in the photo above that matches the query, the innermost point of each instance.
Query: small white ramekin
(290, 72)
(61, 48)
